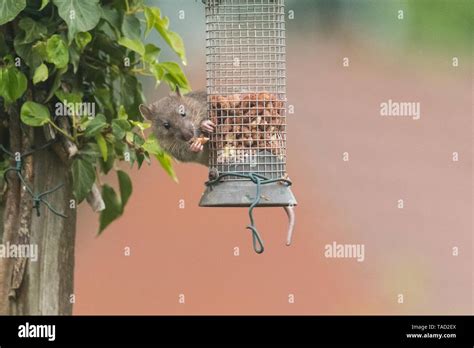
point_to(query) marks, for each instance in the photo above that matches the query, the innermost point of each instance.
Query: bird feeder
(246, 89)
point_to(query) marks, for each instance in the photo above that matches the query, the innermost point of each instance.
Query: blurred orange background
(408, 251)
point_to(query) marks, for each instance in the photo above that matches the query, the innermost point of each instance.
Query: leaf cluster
(83, 60)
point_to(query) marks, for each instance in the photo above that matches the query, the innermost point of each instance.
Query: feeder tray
(241, 193)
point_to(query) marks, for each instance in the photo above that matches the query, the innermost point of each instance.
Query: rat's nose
(187, 135)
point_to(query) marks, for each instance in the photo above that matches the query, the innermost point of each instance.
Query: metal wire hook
(37, 198)
(258, 180)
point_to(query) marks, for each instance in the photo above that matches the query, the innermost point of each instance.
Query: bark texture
(46, 286)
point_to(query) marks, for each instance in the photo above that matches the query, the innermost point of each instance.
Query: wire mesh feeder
(246, 87)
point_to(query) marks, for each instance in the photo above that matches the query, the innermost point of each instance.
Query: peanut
(247, 120)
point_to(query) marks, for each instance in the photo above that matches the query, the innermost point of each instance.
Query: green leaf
(135, 5)
(150, 18)
(70, 101)
(175, 76)
(43, 4)
(95, 126)
(83, 175)
(140, 125)
(138, 140)
(13, 84)
(29, 53)
(119, 148)
(102, 145)
(131, 95)
(29, 32)
(74, 57)
(68, 97)
(106, 166)
(151, 145)
(79, 15)
(9, 9)
(57, 51)
(175, 42)
(82, 39)
(153, 148)
(167, 164)
(125, 185)
(41, 74)
(131, 27)
(113, 207)
(134, 45)
(34, 114)
(112, 17)
(84, 121)
(129, 136)
(103, 98)
(151, 53)
(120, 128)
(40, 49)
(157, 71)
(3, 45)
(90, 152)
(56, 83)
(122, 114)
(153, 19)
(33, 30)
(140, 159)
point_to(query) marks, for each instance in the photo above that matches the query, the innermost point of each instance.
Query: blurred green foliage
(439, 24)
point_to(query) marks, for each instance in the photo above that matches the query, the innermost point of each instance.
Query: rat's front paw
(196, 146)
(207, 126)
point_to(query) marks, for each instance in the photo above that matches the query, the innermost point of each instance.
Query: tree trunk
(47, 284)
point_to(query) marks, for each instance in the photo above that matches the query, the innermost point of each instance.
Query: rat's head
(171, 118)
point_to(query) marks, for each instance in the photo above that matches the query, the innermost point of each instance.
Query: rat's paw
(196, 146)
(207, 126)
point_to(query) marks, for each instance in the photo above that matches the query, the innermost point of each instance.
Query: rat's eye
(167, 125)
(182, 113)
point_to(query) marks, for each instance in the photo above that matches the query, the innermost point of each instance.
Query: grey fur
(175, 141)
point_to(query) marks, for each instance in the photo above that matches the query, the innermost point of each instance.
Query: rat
(179, 123)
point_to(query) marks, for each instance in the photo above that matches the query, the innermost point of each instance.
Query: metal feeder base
(242, 194)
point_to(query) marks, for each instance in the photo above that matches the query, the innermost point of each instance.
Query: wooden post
(47, 284)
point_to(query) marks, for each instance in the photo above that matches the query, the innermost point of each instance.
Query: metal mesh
(246, 85)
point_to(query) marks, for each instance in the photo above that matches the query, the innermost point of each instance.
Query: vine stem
(141, 72)
(74, 129)
(61, 131)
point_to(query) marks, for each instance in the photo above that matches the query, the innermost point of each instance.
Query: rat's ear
(146, 112)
